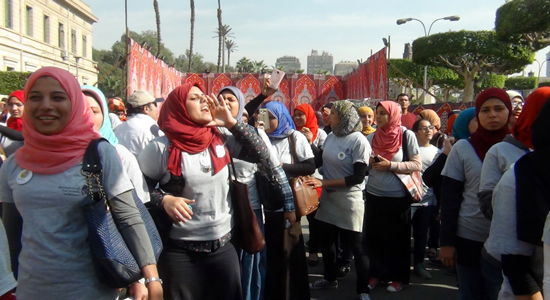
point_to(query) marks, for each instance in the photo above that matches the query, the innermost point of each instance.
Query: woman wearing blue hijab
(99, 106)
(253, 266)
(294, 152)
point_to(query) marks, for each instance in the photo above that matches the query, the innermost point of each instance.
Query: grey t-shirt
(385, 183)
(339, 155)
(320, 139)
(464, 165)
(7, 282)
(497, 161)
(55, 260)
(212, 210)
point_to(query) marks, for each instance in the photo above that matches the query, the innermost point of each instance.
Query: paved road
(441, 286)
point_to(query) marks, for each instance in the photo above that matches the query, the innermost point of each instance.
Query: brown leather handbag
(246, 231)
(306, 199)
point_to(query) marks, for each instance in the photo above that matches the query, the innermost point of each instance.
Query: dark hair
(90, 94)
(416, 125)
(328, 105)
(403, 95)
(130, 110)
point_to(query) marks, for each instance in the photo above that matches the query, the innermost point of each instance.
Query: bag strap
(404, 145)
(91, 162)
(292, 145)
(232, 166)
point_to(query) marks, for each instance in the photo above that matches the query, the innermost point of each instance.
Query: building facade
(39, 33)
(319, 63)
(290, 64)
(344, 67)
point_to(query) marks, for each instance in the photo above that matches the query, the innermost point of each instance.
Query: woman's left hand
(313, 182)
(308, 134)
(138, 291)
(155, 291)
(382, 166)
(221, 115)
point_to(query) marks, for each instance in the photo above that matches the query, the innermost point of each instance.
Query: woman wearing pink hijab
(43, 179)
(387, 226)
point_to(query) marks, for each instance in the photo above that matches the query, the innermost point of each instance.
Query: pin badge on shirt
(220, 151)
(341, 156)
(24, 177)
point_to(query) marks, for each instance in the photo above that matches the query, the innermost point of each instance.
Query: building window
(29, 21)
(84, 46)
(8, 14)
(46, 29)
(61, 36)
(73, 41)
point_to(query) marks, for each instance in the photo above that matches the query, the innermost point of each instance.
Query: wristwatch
(149, 280)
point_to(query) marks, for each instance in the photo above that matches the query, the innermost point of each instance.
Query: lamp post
(427, 33)
(540, 68)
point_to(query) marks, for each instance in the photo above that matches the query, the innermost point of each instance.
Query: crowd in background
(482, 180)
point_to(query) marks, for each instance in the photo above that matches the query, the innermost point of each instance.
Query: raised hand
(221, 115)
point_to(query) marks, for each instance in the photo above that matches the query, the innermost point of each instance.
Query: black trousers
(353, 240)
(387, 231)
(286, 271)
(191, 275)
(421, 223)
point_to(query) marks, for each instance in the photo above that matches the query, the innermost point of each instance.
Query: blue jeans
(253, 268)
(479, 283)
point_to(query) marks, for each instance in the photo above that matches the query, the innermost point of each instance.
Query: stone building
(344, 67)
(38, 33)
(319, 63)
(290, 64)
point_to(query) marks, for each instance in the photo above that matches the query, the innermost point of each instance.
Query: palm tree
(157, 18)
(244, 65)
(192, 2)
(219, 34)
(224, 33)
(231, 46)
(259, 66)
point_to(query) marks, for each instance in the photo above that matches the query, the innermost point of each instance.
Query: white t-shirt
(320, 139)
(427, 155)
(282, 147)
(137, 132)
(131, 166)
(55, 261)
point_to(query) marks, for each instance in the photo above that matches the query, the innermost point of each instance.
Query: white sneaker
(323, 284)
(363, 296)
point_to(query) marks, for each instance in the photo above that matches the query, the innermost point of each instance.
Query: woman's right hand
(448, 145)
(447, 256)
(177, 208)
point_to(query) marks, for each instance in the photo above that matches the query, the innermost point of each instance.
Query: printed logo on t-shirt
(71, 191)
(84, 190)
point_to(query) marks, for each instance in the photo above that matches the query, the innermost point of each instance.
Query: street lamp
(427, 33)
(540, 68)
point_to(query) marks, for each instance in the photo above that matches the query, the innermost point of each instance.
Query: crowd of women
(485, 194)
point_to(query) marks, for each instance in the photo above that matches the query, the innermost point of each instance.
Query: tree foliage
(546, 83)
(12, 81)
(492, 80)
(471, 54)
(521, 83)
(524, 21)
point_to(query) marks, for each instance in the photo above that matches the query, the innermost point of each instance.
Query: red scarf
(529, 113)
(186, 135)
(311, 119)
(53, 154)
(387, 140)
(482, 140)
(13, 122)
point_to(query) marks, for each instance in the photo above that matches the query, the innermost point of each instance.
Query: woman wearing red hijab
(464, 229)
(44, 180)
(191, 165)
(16, 108)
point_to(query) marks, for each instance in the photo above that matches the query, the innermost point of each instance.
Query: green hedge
(12, 81)
(546, 83)
(521, 83)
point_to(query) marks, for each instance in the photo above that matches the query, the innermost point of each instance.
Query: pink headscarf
(387, 140)
(53, 154)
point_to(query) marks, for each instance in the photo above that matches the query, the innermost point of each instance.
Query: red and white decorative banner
(148, 73)
(369, 79)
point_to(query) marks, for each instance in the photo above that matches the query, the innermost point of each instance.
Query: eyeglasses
(427, 129)
(515, 104)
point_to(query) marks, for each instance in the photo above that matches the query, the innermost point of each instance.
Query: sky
(268, 29)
